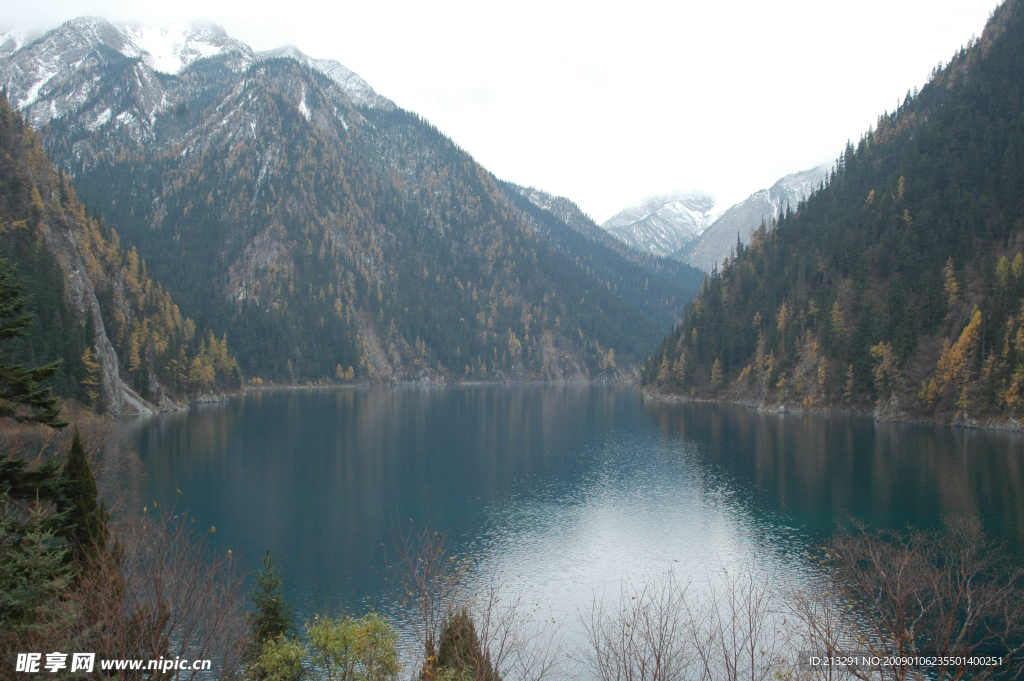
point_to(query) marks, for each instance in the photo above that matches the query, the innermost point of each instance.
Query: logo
(56, 661)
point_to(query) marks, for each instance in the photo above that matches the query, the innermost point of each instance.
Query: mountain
(357, 89)
(13, 40)
(328, 233)
(650, 280)
(120, 338)
(899, 286)
(718, 241)
(567, 212)
(57, 74)
(663, 224)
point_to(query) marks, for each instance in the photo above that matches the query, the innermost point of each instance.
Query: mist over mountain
(573, 216)
(328, 233)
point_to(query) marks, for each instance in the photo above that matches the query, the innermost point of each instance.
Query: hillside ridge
(899, 286)
(330, 237)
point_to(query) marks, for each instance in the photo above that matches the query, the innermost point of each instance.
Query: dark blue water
(568, 488)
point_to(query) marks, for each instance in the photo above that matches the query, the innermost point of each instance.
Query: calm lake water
(569, 488)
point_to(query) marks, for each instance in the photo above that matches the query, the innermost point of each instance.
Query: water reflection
(568, 487)
(322, 477)
(817, 470)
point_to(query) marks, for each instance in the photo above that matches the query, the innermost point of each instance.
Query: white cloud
(607, 102)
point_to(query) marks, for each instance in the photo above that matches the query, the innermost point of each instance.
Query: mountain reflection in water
(566, 488)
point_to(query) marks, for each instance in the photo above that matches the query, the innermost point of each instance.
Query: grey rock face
(61, 241)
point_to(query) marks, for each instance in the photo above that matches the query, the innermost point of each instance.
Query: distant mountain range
(327, 233)
(718, 241)
(662, 225)
(59, 74)
(689, 227)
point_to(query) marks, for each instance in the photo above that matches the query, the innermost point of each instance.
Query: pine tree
(33, 572)
(663, 370)
(460, 651)
(273, 616)
(679, 368)
(20, 396)
(87, 520)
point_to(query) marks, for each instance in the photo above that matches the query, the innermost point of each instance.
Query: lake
(569, 488)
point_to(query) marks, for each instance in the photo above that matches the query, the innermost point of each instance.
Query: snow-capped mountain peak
(288, 51)
(55, 75)
(664, 223)
(171, 49)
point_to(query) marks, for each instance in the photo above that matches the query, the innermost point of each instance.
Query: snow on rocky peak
(60, 66)
(57, 74)
(566, 211)
(48, 65)
(13, 40)
(356, 88)
(538, 197)
(663, 224)
(172, 49)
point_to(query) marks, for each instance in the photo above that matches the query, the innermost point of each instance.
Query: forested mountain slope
(901, 282)
(331, 236)
(97, 309)
(659, 286)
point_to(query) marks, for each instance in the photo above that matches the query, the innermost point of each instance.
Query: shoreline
(227, 395)
(888, 412)
(428, 384)
(884, 413)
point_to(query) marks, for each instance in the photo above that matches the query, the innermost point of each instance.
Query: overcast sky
(607, 103)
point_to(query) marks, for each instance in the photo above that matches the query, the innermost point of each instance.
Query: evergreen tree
(273, 616)
(460, 652)
(33, 572)
(20, 396)
(87, 520)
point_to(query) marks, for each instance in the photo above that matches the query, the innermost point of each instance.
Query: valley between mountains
(204, 217)
(318, 231)
(185, 220)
